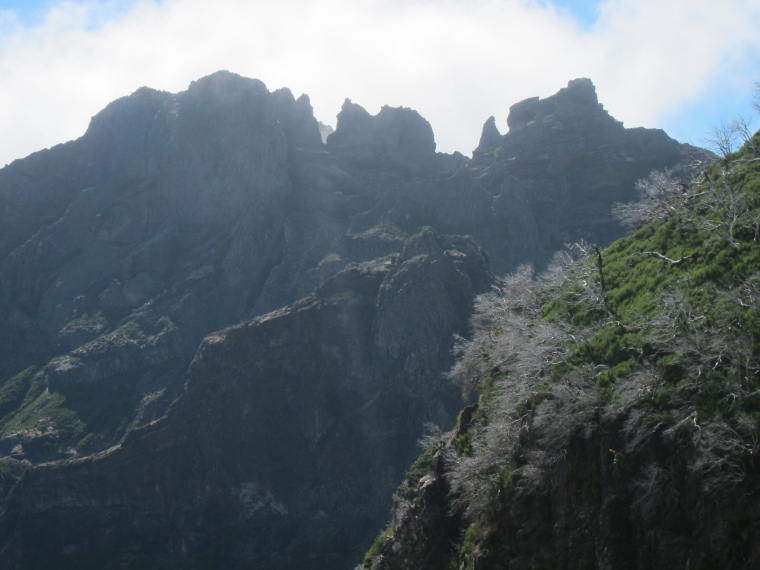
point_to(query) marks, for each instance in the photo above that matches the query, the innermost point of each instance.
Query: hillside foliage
(619, 397)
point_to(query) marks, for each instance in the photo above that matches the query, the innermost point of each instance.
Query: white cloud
(455, 61)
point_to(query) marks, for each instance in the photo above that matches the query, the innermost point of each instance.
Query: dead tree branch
(664, 258)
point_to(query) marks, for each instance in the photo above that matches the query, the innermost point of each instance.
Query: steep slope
(292, 430)
(618, 419)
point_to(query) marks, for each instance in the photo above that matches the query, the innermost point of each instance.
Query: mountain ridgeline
(222, 336)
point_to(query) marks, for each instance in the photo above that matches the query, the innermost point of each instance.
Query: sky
(681, 65)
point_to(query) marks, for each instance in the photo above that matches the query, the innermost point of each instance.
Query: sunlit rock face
(177, 215)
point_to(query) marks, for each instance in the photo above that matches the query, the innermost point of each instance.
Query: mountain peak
(397, 137)
(226, 81)
(490, 136)
(575, 103)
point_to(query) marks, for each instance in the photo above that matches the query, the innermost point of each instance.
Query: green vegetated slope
(60, 409)
(617, 425)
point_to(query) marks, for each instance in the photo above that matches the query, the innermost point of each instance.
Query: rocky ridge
(180, 214)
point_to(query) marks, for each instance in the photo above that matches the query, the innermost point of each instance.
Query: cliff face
(565, 161)
(177, 215)
(396, 138)
(182, 191)
(293, 430)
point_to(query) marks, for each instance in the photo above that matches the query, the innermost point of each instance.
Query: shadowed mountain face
(178, 215)
(292, 433)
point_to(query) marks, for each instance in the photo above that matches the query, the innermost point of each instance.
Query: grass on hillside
(660, 329)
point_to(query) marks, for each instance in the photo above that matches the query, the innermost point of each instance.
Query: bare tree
(660, 195)
(505, 308)
(722, 138)
(720, 463)
(741, 126)
(738, 320)
(732, 208)
(728, 205)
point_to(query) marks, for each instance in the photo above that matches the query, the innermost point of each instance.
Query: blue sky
(584, 11)
(27, 10)
(680, 65)
(32, 13)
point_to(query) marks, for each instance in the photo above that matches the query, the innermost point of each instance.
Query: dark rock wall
(293, 431)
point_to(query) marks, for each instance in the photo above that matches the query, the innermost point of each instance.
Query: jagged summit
(576, 102)
(574, 108)
(490, 136)
(396, 137)
(225, 83)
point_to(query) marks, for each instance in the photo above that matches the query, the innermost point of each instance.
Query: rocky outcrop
(396, 138)
(127, 350)
(293, 430)
(575, 106)
(210, 151)
(565, 161)
(489, 137)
